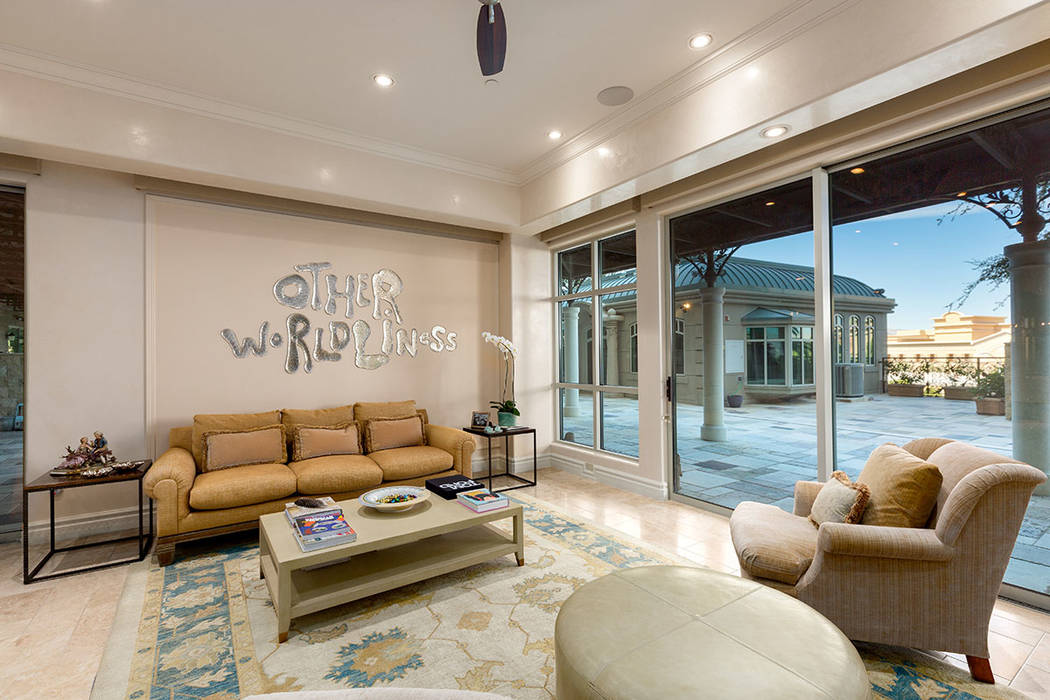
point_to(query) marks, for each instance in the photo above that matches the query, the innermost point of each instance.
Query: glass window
(634, 347)
(617, 260)
(801, 355)
(619, 423)
(618, 310)
(575, 336)
(576, 416)
(854, 339)
(574, 271)
(840, 354)
(765, 356)
(678, 351)
(869, 340)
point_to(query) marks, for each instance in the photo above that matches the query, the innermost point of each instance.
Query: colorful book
(449, 486)
(294, 511)
(482, 500)
(320, 527)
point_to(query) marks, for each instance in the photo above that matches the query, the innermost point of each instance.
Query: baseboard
(88, 524)
(518, 464)
(651, 488)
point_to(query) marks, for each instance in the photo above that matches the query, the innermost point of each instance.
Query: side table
(508, 434)
(51, 484)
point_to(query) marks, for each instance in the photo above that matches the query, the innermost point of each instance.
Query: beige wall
(215, 268)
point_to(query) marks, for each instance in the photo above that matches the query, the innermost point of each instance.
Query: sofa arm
(168, 483)
(805, 493)
(456, 442)
(882, 542)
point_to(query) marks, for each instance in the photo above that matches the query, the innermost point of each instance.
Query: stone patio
(10, 481)
(771, 446)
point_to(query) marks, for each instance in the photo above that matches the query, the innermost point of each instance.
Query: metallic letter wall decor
(307, 287)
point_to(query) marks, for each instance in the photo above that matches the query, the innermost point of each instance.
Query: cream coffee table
(391, 550)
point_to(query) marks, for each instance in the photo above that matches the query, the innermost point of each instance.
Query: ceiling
(310, 64)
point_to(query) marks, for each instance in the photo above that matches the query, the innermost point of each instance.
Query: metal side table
(507, 435)
(53, 483)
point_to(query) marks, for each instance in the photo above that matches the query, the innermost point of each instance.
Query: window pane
(617, 260)
(756, 333)
(775, 362)
(929, 232)
(576, 416)
(619, 423)
(574, 270)
(774, 333)
(619, 313)
(807, 362)
(756, 363)
(797, 371)
(576, 333)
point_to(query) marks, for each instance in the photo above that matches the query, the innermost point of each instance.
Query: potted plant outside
(991, 390)
(961, 375)
(736, 400)
(907, 378)
(506, 409)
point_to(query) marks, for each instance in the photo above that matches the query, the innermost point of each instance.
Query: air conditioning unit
(849, 379)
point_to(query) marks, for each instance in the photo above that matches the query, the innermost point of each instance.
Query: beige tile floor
(52, 633)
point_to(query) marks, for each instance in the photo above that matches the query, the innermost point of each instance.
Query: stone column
(611, 322)
(1030, 354)
(711, 299)
(571, 357)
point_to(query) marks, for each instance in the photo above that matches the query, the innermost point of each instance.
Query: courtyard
(773, 445)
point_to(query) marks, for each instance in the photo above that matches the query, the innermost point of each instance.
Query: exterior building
(953, 335)
(768, 330)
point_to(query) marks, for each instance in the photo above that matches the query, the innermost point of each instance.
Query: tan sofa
(930, 587)
(192, 505)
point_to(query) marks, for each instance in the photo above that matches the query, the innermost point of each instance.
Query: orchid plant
(509, 352)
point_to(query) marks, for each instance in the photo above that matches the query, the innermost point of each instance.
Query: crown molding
(20, 60)
(731, 56)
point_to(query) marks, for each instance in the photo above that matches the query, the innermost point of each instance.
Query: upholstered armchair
(929, 588)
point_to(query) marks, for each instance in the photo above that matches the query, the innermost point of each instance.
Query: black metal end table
(53, 483)
(508, 434)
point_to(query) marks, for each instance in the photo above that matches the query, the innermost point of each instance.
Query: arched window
(869, 340)
(634, 347)
(839, 354)
(679, 346)
(854, 338)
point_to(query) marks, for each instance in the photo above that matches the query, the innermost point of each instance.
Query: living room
(260, 253)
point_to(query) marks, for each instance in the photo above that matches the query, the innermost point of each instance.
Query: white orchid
(510, 352)
(504, 345)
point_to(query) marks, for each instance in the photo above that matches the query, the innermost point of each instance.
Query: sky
(922, 265)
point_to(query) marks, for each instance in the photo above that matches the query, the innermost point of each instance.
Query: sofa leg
(165, 552)
(980, 669)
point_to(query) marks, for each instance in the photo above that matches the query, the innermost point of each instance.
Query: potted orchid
(506, 408)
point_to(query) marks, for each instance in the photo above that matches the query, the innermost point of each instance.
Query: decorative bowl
(393, 499)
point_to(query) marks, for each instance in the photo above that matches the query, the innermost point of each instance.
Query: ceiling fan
(492, 37)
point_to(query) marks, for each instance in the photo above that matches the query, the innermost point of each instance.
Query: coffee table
(391, 550)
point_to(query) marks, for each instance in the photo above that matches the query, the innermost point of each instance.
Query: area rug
(204, 627)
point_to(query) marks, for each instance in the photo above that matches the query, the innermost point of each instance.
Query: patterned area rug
(204, 627)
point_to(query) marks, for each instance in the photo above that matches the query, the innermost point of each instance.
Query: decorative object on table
(449, 486)
(318, 523)
(507, 409)
(128, 466)
(482, 500)
(394, 499)
(479, 419)
(89, 459)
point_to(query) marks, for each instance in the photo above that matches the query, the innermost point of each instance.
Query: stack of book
(319, 527)
(482, 500)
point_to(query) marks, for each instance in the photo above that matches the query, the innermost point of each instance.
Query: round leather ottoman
(684, 632)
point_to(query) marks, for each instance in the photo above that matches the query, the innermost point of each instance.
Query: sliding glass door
(12, 354)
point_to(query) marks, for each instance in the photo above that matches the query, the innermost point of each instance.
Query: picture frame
(479, 419)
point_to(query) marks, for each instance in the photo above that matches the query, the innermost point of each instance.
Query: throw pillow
(839, 501)
(903, 487)
(320, 441)
(235, 448)
(367, 410)
(227, 422)
(388, 433)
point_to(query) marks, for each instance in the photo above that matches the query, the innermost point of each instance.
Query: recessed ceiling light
(604, 152)
(383, 80)
(699, 41)
(770, 203)
(554, 134)
(857, 171)
(775, 132)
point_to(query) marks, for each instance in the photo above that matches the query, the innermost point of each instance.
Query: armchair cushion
(411, 462)
(241, 486)
(917, 543)
(335, 474)
(772, 543)
(839, 501)
(904, 488)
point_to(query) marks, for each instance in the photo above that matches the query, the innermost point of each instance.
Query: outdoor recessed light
(699, 41)
(770, 203)
(857, 171)
(774, 132)
(554, 134)
(687, 306)
(961, 194)
(383, 80)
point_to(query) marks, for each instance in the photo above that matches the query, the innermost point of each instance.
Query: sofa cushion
(772, 543)
(206, 422)
(366, 410)
(839, 501)
(241, 486)
(410, 462)
(388, 433)
(903, 487)
(228, 448)
(320, 441)
(335, 474)
(293, 418)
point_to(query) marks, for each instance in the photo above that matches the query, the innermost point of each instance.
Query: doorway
(12, 355)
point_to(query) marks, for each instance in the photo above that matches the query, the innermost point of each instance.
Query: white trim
(822, 323)
(70, 527)
(153, 449)
(656, 490)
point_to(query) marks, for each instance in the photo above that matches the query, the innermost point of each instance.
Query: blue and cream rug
(204, 627)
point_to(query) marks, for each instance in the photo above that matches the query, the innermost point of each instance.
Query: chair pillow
(388, 433)
(234, 448)
(839, 501)
(903, 488)
(321, 441)
(227, 422)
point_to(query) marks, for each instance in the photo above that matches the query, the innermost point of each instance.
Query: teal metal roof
(764, 315)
